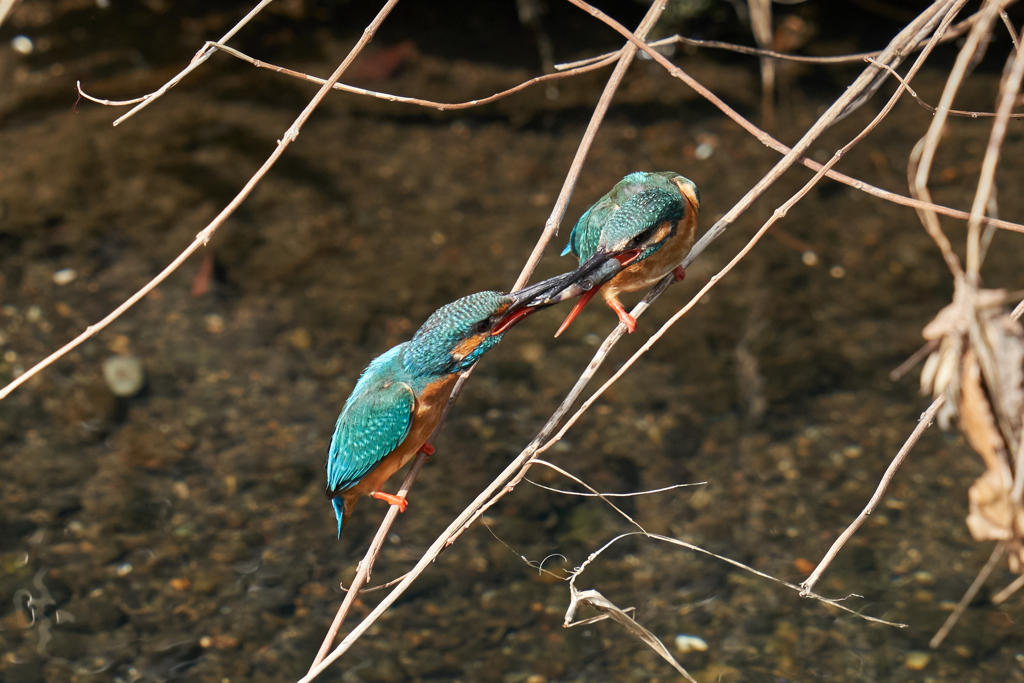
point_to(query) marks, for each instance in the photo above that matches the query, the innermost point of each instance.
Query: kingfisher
(647, 223)
(400, 397)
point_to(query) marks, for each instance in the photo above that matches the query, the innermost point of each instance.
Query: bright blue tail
(339, 512)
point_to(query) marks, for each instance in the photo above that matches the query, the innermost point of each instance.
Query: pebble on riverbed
(64, 276)
(685, 643)
(917, 660)
(124, 375)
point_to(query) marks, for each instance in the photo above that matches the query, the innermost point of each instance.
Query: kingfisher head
(652, 206)
(646, 211)
(457, 335)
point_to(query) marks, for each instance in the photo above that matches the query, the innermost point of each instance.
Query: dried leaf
(602, 604)
(979, 366)
(991, 512)
(978, 423)
(996, 339)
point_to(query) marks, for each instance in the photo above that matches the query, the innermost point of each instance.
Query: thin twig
(631, 494)
(922, 424)
(760, 12)
(739, 565)
(440, 106)
(533, 564)
(1008, 90)
(952, 112)
(1009, 29)
(200, 57)
(1004, 595)
(593, 491)
(551, 225)
(204, 236)
(924, 152)
(954, 32)
(961, 606)
(915, 358)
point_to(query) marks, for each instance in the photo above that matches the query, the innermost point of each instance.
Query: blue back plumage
(375, 420)
(378, 415)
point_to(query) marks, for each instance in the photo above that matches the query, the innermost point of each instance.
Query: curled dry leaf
(979, 365)
(978, 423)
(608, 609)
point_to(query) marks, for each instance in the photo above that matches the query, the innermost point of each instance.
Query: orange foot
(427, 450)
(401, 502)
(679, 273)
(624, 317)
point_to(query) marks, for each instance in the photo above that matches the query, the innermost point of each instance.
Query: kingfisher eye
(643, 236)
(481, 326)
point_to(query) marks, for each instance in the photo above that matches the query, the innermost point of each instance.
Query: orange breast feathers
(644, 274)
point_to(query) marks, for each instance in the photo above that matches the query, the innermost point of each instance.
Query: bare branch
(1004, 595)
(551, 225)
(593, 491)
(953, 33)
(200, 57)
(924, 152)
(922, 424)
(204, 236)
(440, 106)
(738, 565)
(961, 606)
(1008, 90)
(1009, 29)
(952, 112)
(594, 494)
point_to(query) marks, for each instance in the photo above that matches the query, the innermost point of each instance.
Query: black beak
(525, 302)
(590, 275)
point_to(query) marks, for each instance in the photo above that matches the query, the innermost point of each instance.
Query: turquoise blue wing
(369, 428)
(586, 233)
(375, 420)
(580, 225)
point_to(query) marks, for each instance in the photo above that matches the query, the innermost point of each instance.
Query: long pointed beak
(525, 302)
(590, 275)
(583, 282)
